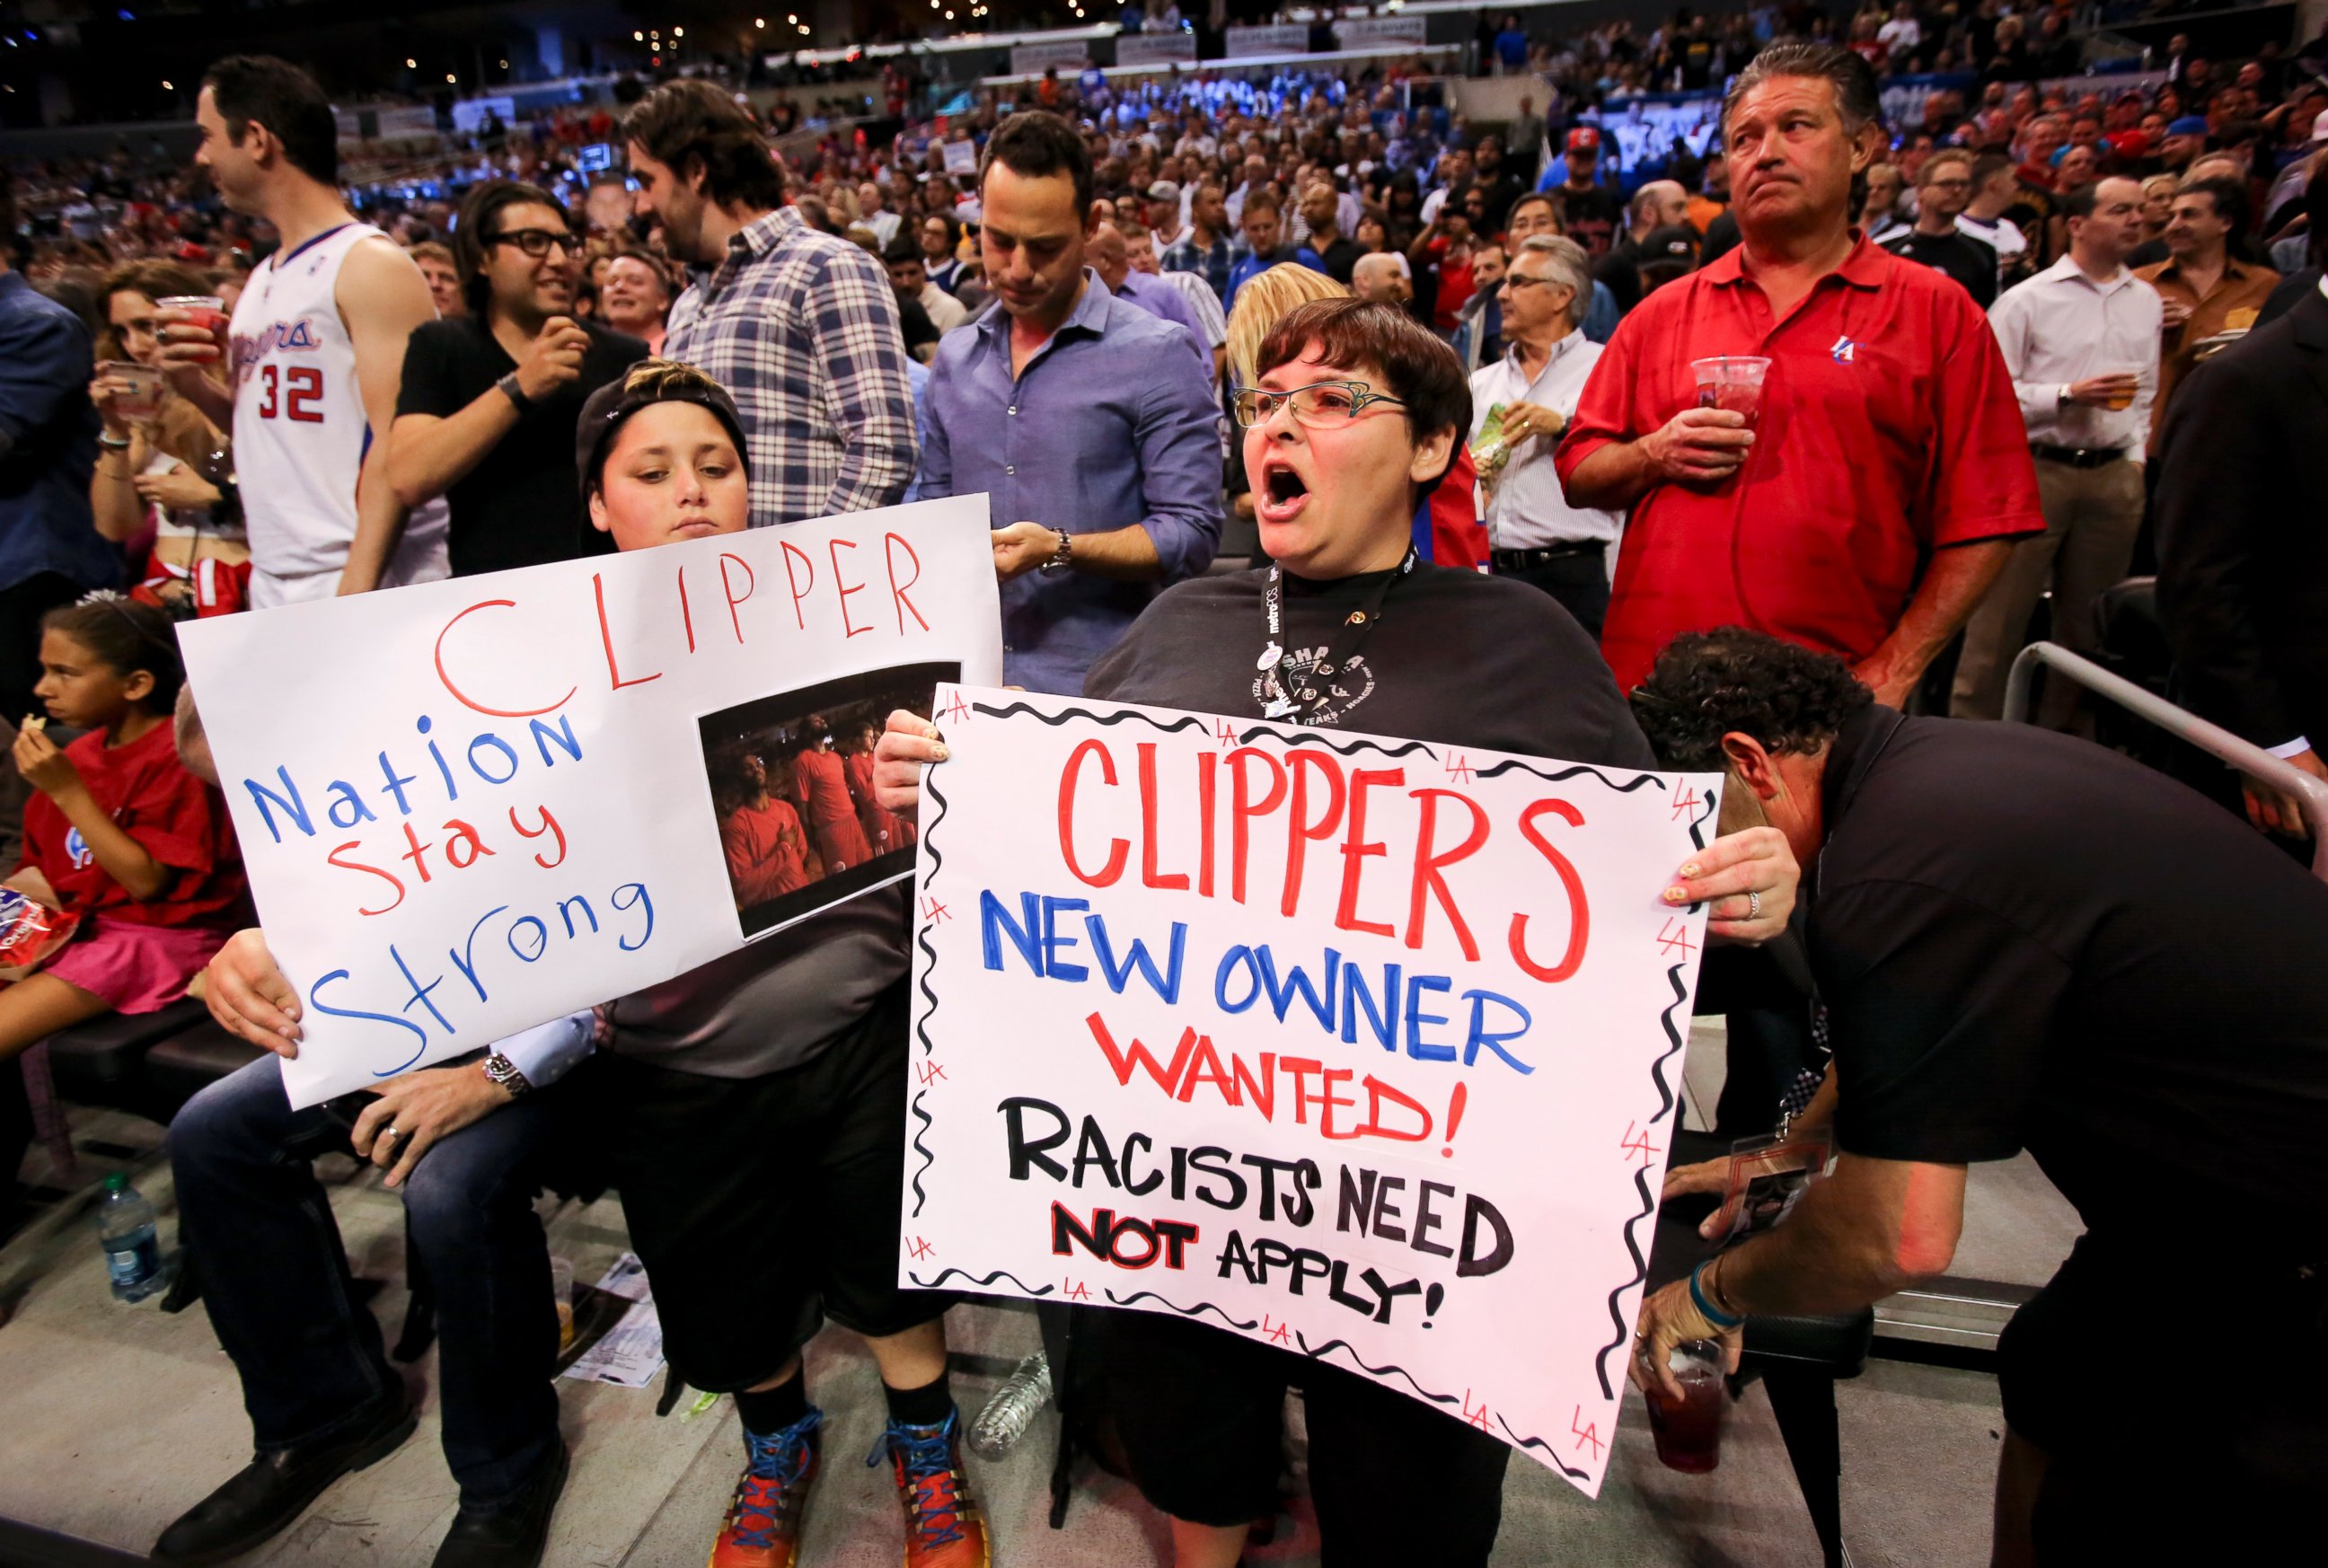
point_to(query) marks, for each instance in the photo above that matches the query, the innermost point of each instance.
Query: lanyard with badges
(1286, 696)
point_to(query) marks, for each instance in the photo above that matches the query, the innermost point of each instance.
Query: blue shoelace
(780, 1457)
(927, 1452)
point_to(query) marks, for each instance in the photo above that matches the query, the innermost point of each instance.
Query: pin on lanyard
(1288, 695)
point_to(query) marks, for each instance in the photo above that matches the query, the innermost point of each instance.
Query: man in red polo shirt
(1887, 470)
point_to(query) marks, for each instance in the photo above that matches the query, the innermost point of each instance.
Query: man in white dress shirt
(1534, 534)
(2082, 342)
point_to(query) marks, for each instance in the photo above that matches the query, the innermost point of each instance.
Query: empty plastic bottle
(125, 1226)
(1013, 1408)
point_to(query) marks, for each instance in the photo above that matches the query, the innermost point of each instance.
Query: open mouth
(1281, 495)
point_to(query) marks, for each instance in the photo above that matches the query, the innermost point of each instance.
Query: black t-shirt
(1458, 659)
(1960, 255)
(1593, 212)
(1341, 257)
(2025, 939)
(521, 505)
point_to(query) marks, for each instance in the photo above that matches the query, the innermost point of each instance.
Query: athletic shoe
(943, 1525)
(762, 1528)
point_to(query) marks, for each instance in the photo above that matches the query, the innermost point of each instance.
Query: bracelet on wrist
(110, 445)
(1702, 1298)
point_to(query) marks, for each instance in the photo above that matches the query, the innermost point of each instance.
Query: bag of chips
(31, 932)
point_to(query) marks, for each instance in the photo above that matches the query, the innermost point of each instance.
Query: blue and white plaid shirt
(1213, 265)
(801, 327)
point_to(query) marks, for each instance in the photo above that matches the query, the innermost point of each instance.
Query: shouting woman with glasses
(1355, 416)
(486, 413)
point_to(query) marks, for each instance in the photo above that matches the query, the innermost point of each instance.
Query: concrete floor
(113, 1418)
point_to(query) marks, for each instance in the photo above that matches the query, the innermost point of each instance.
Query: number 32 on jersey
(296, 390)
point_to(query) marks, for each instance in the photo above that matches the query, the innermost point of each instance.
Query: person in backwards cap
(749, 1112)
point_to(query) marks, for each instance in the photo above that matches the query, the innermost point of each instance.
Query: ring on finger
(1753, 905)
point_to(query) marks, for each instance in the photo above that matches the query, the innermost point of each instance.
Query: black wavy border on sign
(1102, 719)
(945, 1274)
(1348, 748)
(1675, 1040)
(1184, 1311)
(922, 1028)
(1511, 765)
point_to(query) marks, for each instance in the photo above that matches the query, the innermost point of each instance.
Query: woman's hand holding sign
(1749, 877)
(908, 743)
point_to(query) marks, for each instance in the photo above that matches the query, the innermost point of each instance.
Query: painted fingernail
(940, 754)
(1691, 870)
(1677, 895)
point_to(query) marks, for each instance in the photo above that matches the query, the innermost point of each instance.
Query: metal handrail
(2311, 793)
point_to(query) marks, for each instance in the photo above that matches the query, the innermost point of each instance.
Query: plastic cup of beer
(2121, 401)
(561, 1292)
(136, 388)
(1732, 381)
(1689, 1432)
(206, 311)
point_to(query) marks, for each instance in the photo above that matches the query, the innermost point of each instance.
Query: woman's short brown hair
(1416, 366)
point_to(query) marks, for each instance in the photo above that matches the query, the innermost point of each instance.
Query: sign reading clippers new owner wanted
(470, 806)
(1366, 1048)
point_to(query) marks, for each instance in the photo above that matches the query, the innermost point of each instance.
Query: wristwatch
(500, 1069)
(513, 392)
(1062, 557)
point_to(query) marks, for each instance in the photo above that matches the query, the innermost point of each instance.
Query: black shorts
(763, 1205)
(1201, 1413)
(2183, 1403)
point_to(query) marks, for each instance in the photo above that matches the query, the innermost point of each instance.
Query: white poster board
(1274, 38)
(962, 157)
(1034, 59)
(1156, 49)
(1380, 33)
(1392, 1090)
(473, 805)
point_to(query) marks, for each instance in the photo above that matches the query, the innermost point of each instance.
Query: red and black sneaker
(944, 1528)
(763, 1527)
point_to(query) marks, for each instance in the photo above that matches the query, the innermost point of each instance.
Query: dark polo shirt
(2026, 941)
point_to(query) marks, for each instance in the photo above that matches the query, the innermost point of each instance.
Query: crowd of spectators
(2006, 340)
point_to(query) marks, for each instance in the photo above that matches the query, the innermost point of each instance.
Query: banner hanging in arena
(1364, 1048)
(470, 806)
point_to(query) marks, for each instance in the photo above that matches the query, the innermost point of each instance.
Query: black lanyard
(1289, 693)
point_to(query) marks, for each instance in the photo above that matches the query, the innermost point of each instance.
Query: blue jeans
(274, 1277)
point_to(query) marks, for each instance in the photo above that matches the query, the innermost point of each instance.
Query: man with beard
(800, 327)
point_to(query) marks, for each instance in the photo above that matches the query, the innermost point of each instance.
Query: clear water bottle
(1013, 1408)
(125, 1226)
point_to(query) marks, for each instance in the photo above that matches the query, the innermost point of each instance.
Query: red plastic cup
(1689, 1432)
(1733, 381)
(206, 311)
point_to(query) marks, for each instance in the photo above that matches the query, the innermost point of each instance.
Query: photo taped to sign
(791, 778)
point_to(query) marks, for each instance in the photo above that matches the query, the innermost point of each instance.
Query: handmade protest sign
(469, 806)
(1362, 1048)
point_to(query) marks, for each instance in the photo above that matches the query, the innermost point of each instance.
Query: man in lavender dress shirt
(1082, 417)
(1112, 260)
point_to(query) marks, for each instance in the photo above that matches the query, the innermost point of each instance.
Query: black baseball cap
(644, 384)
(1670, 242)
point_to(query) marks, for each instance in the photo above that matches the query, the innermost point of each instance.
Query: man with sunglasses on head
(486, 414)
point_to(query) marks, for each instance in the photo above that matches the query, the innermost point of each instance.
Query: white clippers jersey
(300, 434)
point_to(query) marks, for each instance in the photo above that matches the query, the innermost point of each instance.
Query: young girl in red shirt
(120, 833)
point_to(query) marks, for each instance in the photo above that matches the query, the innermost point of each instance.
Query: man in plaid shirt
(1206, 249)
(801, 327)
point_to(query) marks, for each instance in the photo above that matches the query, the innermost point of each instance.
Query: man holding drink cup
(315, 363)
(1817, 439)
(2081, 340)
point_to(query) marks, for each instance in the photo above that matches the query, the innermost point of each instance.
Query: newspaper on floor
(630, 1354)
